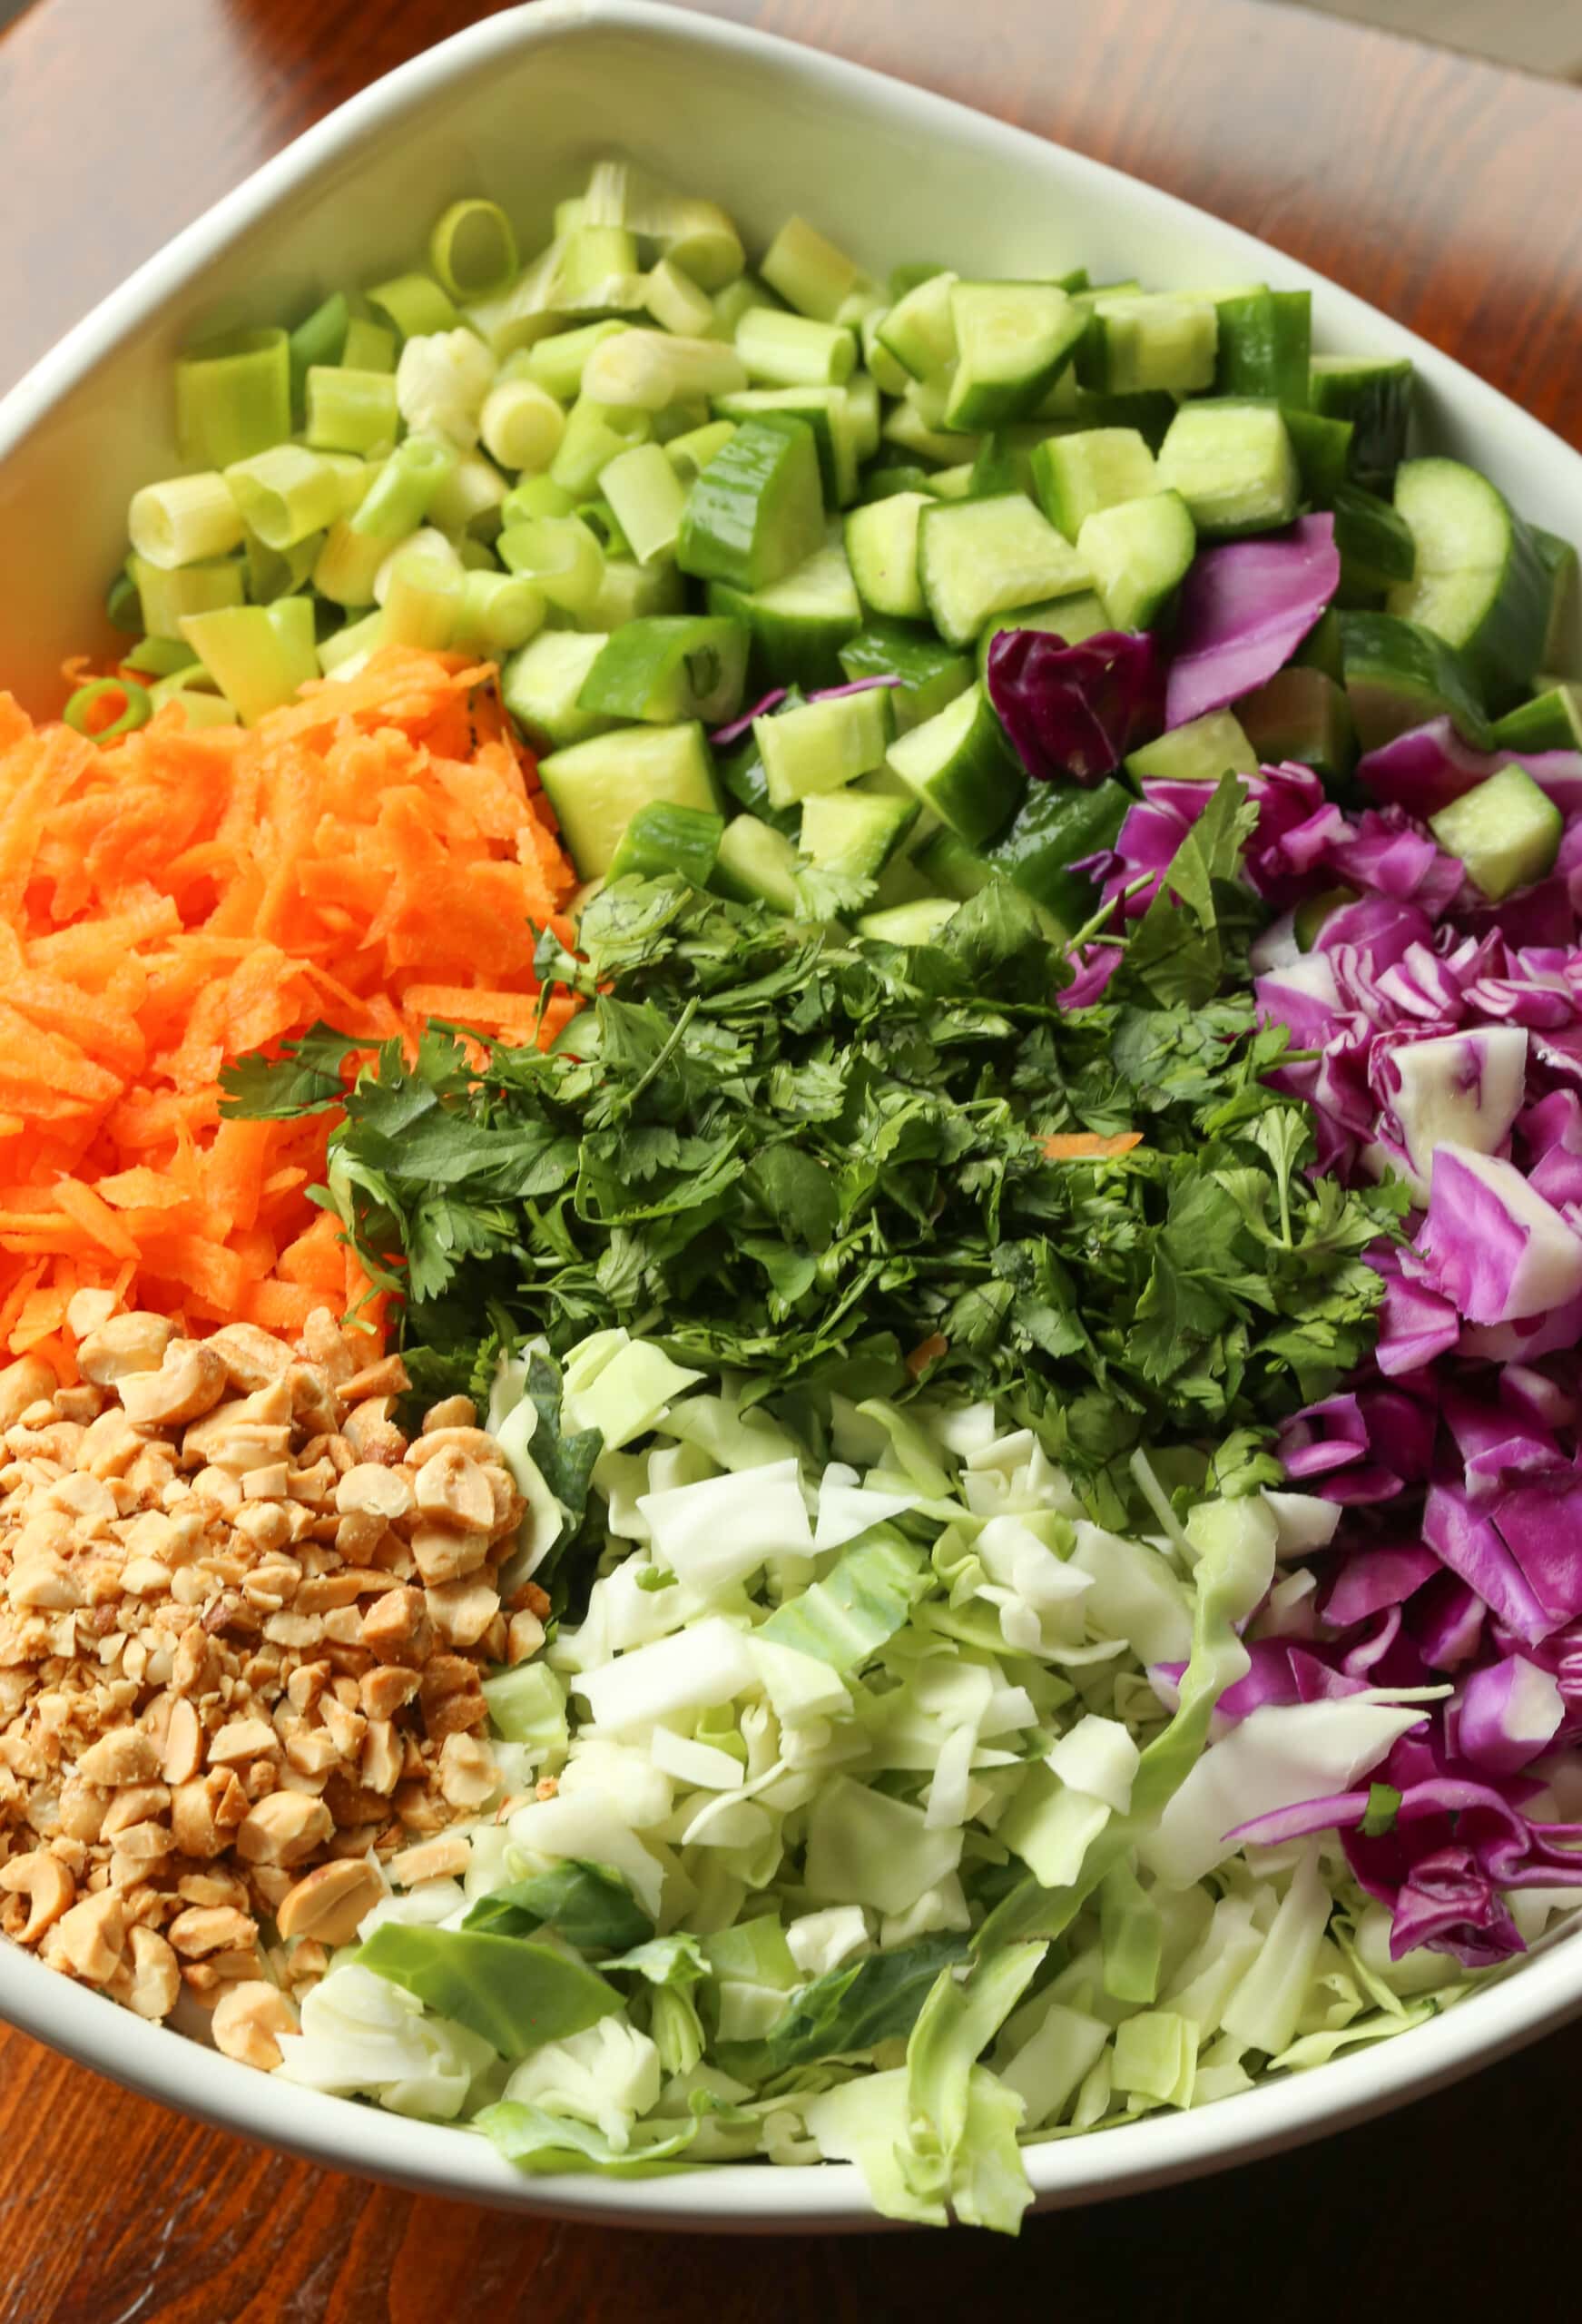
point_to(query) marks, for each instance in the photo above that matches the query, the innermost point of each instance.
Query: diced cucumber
(1232, 463)
(757, 511)
(1058, 825)
(882, 547)
(960, 484)
(891, 375)
(798, 624)
(1078, 408)
(961, 766)
(1562, 643)
(948, 867)
(1375, 395)
(980, 558)
(675, 667)
(1073, 477)
(1265, 340)
(1323, 453)
(915, 923)
(540, 686)
(930, 673)
(756, 865)
(826, 410)
(1201, 750)
(1377, 548)
(920, 330)
(1505, 833)
(1149, 339)
(1071, 618)
(628, 591)
(863, 413)
(1301, 714)
(1138, 552)
(1323, 647)
(662, 839)
(820, 746)
(742, 776)
(1011, 339)
(1551, 721)
(1399, 675)
(905, 427)
(858, 829)
(597, 786)
(878, 484)
(1479, 582)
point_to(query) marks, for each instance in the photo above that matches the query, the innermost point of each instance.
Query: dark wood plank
(1447, 192)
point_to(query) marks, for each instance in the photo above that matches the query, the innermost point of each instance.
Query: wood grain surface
(1447, 192)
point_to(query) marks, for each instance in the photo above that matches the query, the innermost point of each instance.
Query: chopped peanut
(241, 1629)
(247, 2017)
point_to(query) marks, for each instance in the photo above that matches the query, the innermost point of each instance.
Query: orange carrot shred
(376, 853)
(1087, 1146)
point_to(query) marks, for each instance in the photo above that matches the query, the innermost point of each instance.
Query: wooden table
(1449, 193)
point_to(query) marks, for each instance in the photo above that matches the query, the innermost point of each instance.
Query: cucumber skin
(661, 840)
(1505, 648)
(1399, 675)
(1058, 824)
(764, 458)
(1265, 343)
(1377, 401)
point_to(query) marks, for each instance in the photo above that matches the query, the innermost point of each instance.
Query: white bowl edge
(49, 417)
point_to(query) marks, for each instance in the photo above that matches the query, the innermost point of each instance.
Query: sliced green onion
(728, 306)
(276, 572)
(676, 303)
(647, 496)
(136, 709)
(694, 234)
(536, 496)
(690, 454)
(604, 526)
(289, 492)
(415, 303)
(473, 249)
(498, 613)
(431, 547)
(557, 362)
(233, 398)
(157, 657)
(471, 493)
(319, 339)
(193, 689)
(561, 554)
(351, 411)
(369, 347)
(785, 350)
(593, 259)
(521, 425)
(524, 313)
(477, 556)
(647, 370)
(123, 609)
(258, 655)
(424, 601)
(168, 597)
(595, 433)
(402, 492)
(569, 214)
(343, 653)
(186, 520)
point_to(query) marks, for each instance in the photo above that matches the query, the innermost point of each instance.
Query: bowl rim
(1510, 2011)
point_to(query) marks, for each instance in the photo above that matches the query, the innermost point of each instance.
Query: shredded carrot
(1087, 1146)
(376, 853)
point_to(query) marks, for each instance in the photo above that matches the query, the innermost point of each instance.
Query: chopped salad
(793, 1229)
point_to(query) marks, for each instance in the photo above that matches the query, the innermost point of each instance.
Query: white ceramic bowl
(518, 107)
